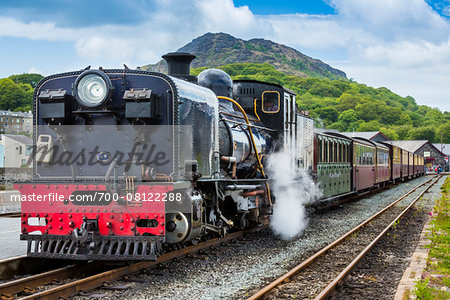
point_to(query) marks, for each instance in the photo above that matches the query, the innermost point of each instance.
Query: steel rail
(98, 280)
(285, 277)
(23, 265)
(332, 286)
(31, 282)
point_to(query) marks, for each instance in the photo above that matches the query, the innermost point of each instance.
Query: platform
(10, 243)
(7, 203)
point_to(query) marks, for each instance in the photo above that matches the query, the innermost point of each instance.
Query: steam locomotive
(128, 163)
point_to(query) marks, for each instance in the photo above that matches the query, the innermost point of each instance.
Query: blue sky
(401, 44)
(265, 7)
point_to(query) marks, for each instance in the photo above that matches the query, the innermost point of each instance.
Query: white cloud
(446, 11)
(314, 32)
(34, 31)
(33, 70)
(423, 54)
(392, 19)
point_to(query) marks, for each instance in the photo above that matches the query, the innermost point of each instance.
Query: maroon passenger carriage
(396, 162)
(382, 166)
(363, 164)
(404, 161)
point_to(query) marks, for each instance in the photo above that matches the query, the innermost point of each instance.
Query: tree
(330, 114)
(391, 115)
(370, 126)
(433, 117)
(405, 119)
(347, 121)
(444, 131)
(12, 95)
(371, 110)
(348, 101)
(30, 78)
(417, 120)
(422, 133)
(402, 131)
(390, 133)
(348, 116)
(324, 89)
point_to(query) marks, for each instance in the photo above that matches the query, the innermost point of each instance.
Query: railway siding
(318, 278)
(380, 272)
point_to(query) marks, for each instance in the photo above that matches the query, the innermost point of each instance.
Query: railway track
(317, 276)
(95, 274)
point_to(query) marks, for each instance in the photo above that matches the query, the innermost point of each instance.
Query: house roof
(445, 148)
(21, 139)
(413, 146)
(410, 145)
(8, 113)
(368, 135)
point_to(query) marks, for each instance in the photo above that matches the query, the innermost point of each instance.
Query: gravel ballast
(379, 273)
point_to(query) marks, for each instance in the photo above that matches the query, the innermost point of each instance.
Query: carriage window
(271, 102)
(330, 153)
(345, 153)
(334, 151)
(359, 154)
(320, 151)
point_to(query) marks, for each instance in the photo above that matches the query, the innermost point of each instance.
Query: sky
(403, 45)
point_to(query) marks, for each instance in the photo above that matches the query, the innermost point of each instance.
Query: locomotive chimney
(179, 65)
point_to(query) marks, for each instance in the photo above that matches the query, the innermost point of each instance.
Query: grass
(436, 279)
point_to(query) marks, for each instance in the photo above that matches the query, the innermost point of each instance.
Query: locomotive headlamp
(92, 88)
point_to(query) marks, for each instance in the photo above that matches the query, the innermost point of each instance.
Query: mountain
(218, 49)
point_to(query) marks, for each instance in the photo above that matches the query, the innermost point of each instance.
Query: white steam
(293, 188)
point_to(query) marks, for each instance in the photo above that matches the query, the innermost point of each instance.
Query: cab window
(271, 102)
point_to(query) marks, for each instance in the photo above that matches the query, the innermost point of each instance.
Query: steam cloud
(293, 189)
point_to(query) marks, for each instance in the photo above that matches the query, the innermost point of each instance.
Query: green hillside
(347, 105)
(340, 104)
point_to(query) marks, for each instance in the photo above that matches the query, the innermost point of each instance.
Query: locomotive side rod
(98, 280)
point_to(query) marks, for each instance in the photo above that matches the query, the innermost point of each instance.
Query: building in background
(432, 155)
(16, 150)
(444, 148)
(16, 122)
